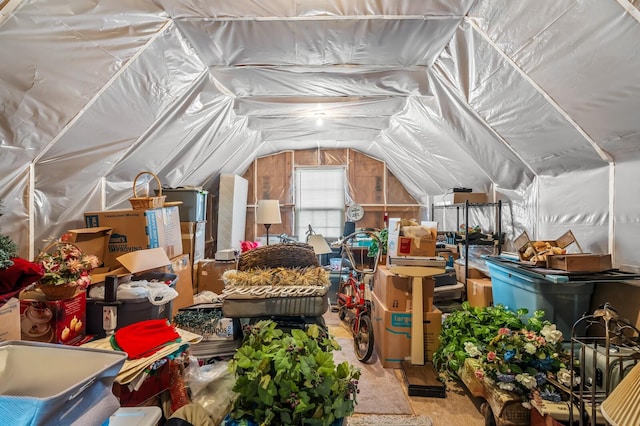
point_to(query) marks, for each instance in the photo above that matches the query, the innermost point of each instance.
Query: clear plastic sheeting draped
(535, 106)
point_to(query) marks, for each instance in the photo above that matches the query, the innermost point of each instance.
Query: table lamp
(319, 245)
(622, 406)
(267, 214)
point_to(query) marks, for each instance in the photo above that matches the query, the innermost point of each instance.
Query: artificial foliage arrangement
(509, 351)
(8, 248)
(290, 378)
(380, 244)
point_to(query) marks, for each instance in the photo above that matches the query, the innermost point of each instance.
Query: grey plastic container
(50, 384)
(131, 310)
(194, 203)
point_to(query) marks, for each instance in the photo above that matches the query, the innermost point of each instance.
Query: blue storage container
(563, 303)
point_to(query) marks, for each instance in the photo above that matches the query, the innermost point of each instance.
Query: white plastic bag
(211, 386)
(156, 292)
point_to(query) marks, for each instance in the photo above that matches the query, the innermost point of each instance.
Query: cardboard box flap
(91, 240)
(144, 260)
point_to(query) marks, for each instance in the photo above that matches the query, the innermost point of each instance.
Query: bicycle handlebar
(347, 249)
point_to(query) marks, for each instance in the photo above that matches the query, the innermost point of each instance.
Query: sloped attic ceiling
(489, 94)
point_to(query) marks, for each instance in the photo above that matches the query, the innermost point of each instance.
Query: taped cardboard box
(394, 291)
(479, 292)
(193, 239)
(411, 240)
(135, 230)
(393, 334)
(93, 241)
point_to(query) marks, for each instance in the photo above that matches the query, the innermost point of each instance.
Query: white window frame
(320, 201)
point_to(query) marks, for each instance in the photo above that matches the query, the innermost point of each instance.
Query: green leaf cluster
(291, 378)
(8, 249)
(374, 248)
(477, 326)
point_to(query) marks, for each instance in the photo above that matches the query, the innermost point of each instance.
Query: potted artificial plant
(379, 245)
(290, 378)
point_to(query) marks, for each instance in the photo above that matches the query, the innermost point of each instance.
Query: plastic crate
(194, 203)
(563, 303)
(132, 310)
(50, 384)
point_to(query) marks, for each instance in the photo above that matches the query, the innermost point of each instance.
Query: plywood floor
(457, 409)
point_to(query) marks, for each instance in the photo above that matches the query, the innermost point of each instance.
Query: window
(320, 201)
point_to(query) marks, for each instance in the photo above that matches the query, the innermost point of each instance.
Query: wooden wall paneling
(333, 157)
(250, 226)
(274, 174)
(396, 192)
(373, 217)
(366, 179)
(306, 157)
(250, 175)
(404, 212)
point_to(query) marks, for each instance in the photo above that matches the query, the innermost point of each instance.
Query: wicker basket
(286, 255)
(58, 292)
(147, 202)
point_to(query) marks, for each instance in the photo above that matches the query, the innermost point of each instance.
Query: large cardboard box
(394, 291)
(479, 292)
(57, 321)
(138, 230)
(10, 320)
(415, 246)
(458, 267)
(181, 266)
(193, 239)
(93, 241)
(472, 197)
(392, 332)
(209, 272)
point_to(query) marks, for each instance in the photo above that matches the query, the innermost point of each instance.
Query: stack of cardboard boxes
(478, 285)
(391, 302)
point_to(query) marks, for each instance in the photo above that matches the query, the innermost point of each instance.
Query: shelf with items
(462, 236)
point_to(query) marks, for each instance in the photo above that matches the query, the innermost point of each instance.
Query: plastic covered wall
(536, 106)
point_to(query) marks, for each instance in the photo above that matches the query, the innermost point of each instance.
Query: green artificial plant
(8, 249)
(291, 378)
(374, 248)
(478, 326)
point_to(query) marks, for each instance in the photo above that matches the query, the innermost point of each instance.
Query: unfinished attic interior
(335, 107)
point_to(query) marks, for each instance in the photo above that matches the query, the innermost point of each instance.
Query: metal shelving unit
(464, 208)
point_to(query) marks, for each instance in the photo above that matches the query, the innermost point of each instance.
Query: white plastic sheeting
(535, 103)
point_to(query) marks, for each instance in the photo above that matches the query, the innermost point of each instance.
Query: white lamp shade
(622, 406)
(319, 244)
(268, 212)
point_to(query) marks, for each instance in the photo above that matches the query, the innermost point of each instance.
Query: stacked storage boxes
(391, 317)
(192, 222)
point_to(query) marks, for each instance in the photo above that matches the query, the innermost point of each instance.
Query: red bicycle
(354, 297)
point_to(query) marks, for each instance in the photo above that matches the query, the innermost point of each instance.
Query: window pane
(320, 201)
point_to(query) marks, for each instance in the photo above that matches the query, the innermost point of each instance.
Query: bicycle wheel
(363, 339)
(342, 298)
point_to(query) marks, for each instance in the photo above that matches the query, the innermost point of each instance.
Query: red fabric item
(145, 338)
(177, 387)
(19, 275)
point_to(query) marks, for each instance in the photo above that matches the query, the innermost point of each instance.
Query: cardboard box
(138, 230)
(10, 320)
(193, 239)
(527, 248)
(209, 272)
(181, 266)
(56, 321)
(394, 291)
(458, 267)
(472, 197)
(580, 262)
(91, 240)
(415, 245)
(479, 292)
(392, 331)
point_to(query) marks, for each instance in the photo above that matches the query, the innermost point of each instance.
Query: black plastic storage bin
(132, 310)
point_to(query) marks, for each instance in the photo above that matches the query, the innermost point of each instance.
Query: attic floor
(457, 409)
